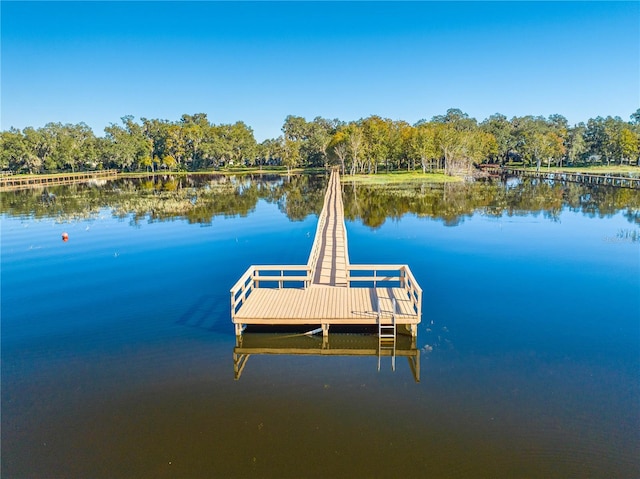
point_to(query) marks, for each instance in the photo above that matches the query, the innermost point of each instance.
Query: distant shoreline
(380, 177)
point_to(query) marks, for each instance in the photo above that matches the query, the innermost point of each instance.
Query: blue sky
(259, 62)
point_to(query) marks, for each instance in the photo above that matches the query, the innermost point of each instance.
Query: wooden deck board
(283, 306)
(327, 304)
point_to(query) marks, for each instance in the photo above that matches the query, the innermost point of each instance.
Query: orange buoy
(65, 237)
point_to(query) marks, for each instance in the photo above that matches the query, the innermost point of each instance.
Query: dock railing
(317, 241)
(268, 276)
(345, 241)
(315, 248)
(386, 275)
(358, 275)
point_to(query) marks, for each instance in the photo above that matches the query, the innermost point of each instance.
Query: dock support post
(325, 330)
(239, 329)
(239, 362)
(413, 328)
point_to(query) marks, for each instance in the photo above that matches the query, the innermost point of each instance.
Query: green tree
(456, 118)
(424, 145)
(291, 154)
(269, 152)
(402, 153)
(354, 138)
(545, 146)
(319, 135)
(175, 145)
(339, 148)
(13, 150)
(481, 145)
(449, 141)
(603, 138)
(529, 138)
(376, 142)
(295, 134)
(79, 145)
(502, 131)
(40, 147)
(243, 143)
(169, 162)
(628, 146)
(576, 144)
(127, 145)
(156, 132)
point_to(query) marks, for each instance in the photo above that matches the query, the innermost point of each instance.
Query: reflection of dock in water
(336, 344)
(328, 290)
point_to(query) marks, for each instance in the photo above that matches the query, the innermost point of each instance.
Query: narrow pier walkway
(329, 256)
(21, 182)
(328, 289)
(613, 179)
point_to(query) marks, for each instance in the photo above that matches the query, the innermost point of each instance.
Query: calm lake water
(117, 345)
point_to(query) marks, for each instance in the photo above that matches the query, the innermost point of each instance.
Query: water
(117, 346)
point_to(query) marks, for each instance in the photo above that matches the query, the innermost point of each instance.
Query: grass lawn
(377, 179)
(380, 178)
(371, 179)
(400, 177)
(279, 170)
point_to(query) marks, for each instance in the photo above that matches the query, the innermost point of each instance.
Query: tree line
(453, 143)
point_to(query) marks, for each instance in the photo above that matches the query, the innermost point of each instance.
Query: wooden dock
(21, 182)
(328, 289)
(616, 180)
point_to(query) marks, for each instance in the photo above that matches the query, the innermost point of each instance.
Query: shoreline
(382, 177)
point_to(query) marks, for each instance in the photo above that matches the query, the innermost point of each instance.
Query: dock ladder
(387, 336)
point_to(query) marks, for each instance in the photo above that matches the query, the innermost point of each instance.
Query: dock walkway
(328, 289)
(329, 256)
(20, 182)
(609, 179)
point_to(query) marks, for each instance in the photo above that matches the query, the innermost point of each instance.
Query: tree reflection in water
(453, 202)
(200, 198)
